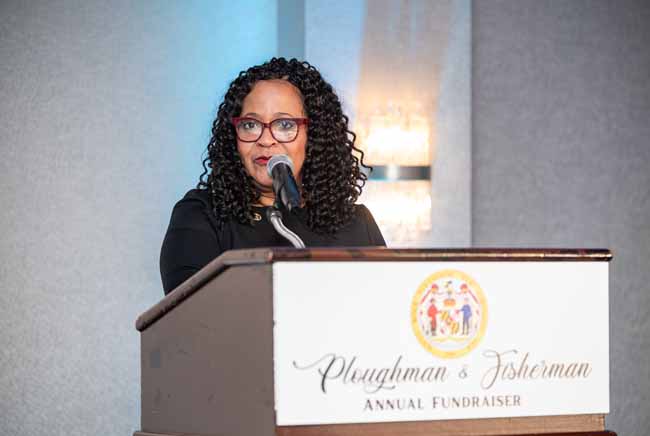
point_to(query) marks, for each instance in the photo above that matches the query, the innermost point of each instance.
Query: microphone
(280, 169)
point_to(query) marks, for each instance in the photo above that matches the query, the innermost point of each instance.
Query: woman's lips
(262, 160)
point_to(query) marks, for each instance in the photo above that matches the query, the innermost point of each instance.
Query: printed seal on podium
(449, 313)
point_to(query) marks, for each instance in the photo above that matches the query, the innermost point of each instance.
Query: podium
(234, 350)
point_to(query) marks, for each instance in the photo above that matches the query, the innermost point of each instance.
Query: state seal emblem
(449, 313)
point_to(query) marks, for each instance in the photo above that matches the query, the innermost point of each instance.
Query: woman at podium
(278, 108)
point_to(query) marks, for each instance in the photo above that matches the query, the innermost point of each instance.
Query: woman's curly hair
(331, 176)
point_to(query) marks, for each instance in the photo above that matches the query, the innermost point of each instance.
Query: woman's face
(268, 101)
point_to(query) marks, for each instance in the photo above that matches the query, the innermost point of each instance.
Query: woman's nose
(267, 139)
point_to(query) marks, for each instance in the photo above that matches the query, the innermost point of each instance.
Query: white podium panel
(358, 342)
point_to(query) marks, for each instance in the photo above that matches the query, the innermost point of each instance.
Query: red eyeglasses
(282, 129)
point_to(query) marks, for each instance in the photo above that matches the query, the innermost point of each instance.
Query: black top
(193, 238)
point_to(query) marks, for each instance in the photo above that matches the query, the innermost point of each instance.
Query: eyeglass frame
(298, 121)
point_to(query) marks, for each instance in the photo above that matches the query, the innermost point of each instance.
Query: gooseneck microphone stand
(274, 216)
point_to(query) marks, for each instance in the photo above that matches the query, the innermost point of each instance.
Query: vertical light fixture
(397, 143)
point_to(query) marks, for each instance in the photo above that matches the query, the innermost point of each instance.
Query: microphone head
(277, 160)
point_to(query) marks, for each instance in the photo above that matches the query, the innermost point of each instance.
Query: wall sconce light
(397, 144)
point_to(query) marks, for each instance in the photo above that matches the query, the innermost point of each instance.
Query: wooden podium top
(270, 255)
